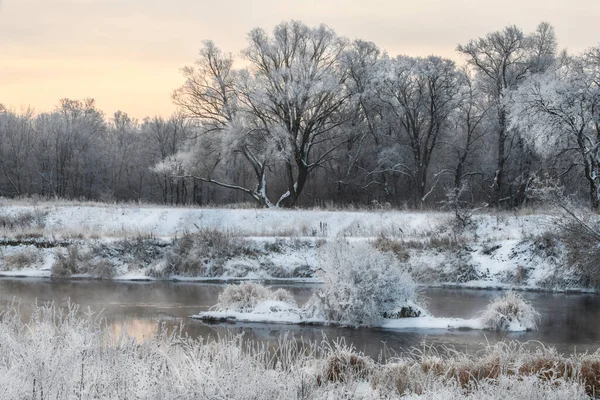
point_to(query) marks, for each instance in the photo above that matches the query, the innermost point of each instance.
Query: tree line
(313, 117)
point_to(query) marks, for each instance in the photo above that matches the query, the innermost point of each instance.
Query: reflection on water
(569, 322)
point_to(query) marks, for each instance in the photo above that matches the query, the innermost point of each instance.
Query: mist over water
(569, 322)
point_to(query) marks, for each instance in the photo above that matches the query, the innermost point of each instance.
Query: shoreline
(500, 251)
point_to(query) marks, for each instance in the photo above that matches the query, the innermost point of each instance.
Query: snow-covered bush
(362, 285)
(580, 234)
(134, 252)
(283, 295)
(246, 296)
(100, 268)
(510, 312)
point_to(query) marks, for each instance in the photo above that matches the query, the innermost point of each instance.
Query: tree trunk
(499, 178)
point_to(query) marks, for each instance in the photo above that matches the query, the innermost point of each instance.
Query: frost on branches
(558, 113)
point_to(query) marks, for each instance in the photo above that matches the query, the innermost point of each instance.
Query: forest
(304, 117)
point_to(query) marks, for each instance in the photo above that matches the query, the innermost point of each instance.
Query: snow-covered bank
(500, 250)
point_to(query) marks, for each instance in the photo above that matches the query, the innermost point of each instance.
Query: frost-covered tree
(502, 60)
(283, 112)
(164, 139)
(560, 113)
(17, 142)
(296, 89)
(350, 169)
(225, 131)
(67, 156)
(418, 96)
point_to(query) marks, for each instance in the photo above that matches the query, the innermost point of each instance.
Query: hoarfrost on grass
(63, 353)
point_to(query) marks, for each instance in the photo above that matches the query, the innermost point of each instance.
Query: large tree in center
(299, 96)
(282, 114)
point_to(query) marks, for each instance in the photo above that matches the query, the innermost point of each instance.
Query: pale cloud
(127, 53)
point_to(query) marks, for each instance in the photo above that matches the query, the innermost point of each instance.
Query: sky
(128, 54)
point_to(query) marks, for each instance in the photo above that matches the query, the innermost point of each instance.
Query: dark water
(570, 322)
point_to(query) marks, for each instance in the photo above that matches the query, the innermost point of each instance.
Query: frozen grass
(246, 296)
(76, 260)
(21, 258)
(510, 312)
(204, 253)
(62, 353)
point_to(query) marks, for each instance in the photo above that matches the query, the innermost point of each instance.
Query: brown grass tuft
(342, 365)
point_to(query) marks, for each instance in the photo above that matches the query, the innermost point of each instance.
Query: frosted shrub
(204, 253)
(21, 259)
(66, 264)
(283, 296)
(100, 268)
(81, 261)
(362, 286)
(509, 312)
(246, 296)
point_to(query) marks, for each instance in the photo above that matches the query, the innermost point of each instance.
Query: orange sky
(127, 54)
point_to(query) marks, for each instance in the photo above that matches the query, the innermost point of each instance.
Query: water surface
(570, 322)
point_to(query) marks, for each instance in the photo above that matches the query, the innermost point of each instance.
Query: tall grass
(64, 353)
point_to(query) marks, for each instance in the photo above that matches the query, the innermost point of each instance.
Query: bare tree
(285, 110)
(469, 123)
(419, 94)
(210, 96)
(502, 60)
(298, 94)
(560, 111)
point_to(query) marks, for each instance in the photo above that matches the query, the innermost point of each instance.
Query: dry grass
(205, 253)
(80, 261)
(66, 264)
(397, 247)
(423, 370)
(342, 365)
(21, 259)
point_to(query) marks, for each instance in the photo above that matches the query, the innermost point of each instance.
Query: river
(569, 322)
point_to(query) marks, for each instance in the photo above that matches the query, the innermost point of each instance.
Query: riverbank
(132, 242)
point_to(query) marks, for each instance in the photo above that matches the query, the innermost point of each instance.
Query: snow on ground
(170, 221)
(500, 252)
